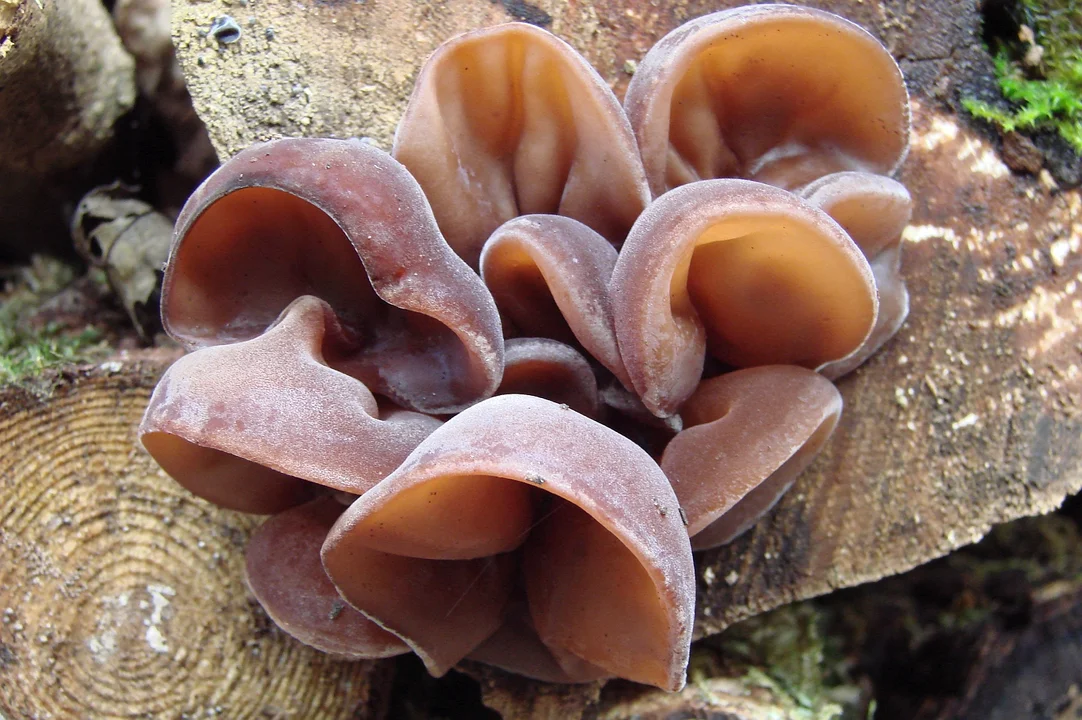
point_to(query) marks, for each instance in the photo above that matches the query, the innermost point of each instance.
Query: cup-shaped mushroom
(746, 271)
(776, 93)
(516, 648)
(251, 425)
(549, 276)
(343, 221)
(510, 120)
(605, 559)
(748, 435)
(549, 369)
(874, 210)
(285, 574)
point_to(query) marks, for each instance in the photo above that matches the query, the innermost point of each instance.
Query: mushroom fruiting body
(550, 278)
(747, 435)
(776, 93)
(511, 120)
(285, 574)
(250, 425)
(745, 271)
(664, 378)
(874, 210)
(607, 569)
(552, 370)
(343, 221)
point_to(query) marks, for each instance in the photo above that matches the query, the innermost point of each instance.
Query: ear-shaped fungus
(745, 270)
(549, 369)
(874, 210)
(248, 425)
(775, 93)
(510, 120)
(285, 574)
(747, 436)
(345, 222)
(606, 566)
(549, 276)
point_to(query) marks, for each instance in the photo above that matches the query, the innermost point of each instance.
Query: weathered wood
(65, 79)
(121, 595)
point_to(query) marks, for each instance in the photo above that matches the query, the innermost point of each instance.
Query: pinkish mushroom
(549, 276)
(251, 425)
(775, 93)
(874, 210)
(344, 222)
(583, 514)
(510, 120)
(742, 270)
(748, 434)
(285, 574)
(549, 369)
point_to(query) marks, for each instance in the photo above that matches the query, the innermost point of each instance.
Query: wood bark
(65, 79)
(969, 417)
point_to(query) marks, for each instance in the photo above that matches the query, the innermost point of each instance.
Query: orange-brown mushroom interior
(509, 121)
(251, 253)
(771, 295)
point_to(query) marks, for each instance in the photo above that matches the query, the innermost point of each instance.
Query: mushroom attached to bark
(742, 270)
(874, 210)
(510, 120)
(345, 222)
(549, 369)
(775, 93)
(516, 480)
(252, 424)
(285, 574)
(549, 276)
(748, 435)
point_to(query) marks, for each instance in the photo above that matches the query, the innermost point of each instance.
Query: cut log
(122, 595)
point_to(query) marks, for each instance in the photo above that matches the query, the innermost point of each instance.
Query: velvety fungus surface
(495, 389)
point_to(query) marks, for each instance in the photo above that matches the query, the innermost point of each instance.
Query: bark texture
(65, 79)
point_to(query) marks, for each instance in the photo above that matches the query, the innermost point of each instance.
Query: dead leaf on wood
(125, 236)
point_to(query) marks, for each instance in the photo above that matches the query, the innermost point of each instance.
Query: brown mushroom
(746, 271)
(515, 647)
(510, 120)
(874, 210)
(748, 435)
(251, 425)
(342, 221)
(605, 561)
(549, 276)
(549, 369)
(776, 93)
(285, 574)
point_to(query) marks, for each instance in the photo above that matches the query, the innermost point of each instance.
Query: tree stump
(969, 417)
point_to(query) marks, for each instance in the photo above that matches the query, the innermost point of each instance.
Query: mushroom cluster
(495, 387)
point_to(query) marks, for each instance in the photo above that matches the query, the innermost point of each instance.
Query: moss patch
(1038, 66)
(29, 346)
(786, 653)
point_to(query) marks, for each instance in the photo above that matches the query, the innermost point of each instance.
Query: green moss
(1042, 76)
(785, 653)
(27, 348)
